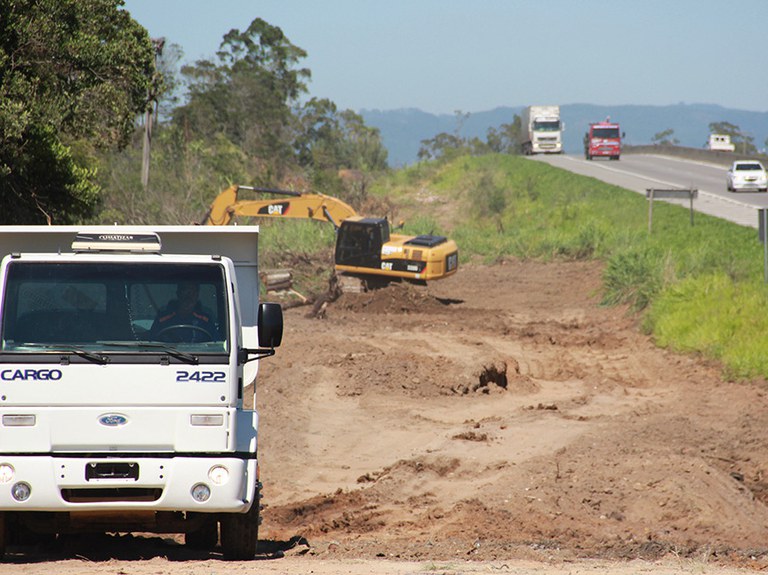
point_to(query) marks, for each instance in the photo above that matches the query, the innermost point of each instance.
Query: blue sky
(443, 56)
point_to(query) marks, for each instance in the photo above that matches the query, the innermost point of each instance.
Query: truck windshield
(605, 133)
(98, 306)
(546, 125)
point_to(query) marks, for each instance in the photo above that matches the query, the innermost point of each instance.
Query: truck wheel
(204, 538)
(240, 532)
(240, 535)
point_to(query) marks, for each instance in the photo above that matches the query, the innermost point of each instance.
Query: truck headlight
(6, 472)
(218, 474)
(200, 492)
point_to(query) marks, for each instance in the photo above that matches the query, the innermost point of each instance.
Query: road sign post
(655, 193)
(762, 226)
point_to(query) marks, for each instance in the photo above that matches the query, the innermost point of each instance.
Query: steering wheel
(179, 326)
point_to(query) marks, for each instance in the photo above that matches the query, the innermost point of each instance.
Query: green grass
(699, 288)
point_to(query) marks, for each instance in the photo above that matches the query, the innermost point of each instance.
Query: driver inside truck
(184, 319)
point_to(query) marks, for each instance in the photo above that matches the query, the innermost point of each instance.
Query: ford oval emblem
(113, 419)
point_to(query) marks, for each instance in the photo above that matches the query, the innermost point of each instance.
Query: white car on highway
(746, 175)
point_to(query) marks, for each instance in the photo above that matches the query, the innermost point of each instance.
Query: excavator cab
(359, 242)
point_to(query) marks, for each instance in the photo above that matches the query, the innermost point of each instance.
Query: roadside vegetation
(698, 289)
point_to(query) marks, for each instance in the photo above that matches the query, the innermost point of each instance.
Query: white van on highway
(721, 143)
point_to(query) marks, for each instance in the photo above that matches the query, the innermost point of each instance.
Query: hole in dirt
(493, 375)
(449, 300)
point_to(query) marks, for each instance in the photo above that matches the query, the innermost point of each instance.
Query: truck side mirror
(270, 324)
(269, 331)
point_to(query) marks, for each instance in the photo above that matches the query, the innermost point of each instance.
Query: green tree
(445, 146)
(330, 144)
(364, 148)
(247, 95)
(318, 139)
(241, 124)
(329, 139)
(73, 76)
(665, 138)
(505, 139)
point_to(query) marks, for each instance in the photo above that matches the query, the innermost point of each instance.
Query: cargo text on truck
(112, 420)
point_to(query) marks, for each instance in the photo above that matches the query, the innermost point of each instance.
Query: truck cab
(122, 401)
(603, 140)
(542, 130)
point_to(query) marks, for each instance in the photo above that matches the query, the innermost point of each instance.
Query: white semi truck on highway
(542, 130)
(122, 408)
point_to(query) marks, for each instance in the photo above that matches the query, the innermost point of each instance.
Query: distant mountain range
(403, 130)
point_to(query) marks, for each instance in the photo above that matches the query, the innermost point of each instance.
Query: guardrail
(702, 155)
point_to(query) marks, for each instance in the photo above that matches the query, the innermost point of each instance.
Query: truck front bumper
(547, 147)
(200, 484)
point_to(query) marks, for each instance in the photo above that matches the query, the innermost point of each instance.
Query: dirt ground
(499, 420)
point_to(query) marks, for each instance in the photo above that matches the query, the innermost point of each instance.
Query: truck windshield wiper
(170, 350)
(79, 351)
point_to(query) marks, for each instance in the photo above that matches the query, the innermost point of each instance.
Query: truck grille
(111, 494)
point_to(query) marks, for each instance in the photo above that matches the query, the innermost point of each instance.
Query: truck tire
(204, 538)
(240, 532)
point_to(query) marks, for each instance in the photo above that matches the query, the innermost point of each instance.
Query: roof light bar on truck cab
(116, 242)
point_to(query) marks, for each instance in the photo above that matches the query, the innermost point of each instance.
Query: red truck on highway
(603, 139)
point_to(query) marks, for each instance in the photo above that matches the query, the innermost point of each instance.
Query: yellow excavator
(364, 246)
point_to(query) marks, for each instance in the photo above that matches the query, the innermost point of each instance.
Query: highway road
(638, 172)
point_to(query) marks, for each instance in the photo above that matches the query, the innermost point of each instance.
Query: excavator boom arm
(228, 204)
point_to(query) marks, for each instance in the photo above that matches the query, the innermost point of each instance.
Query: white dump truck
(542, 130)
(122, 403)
